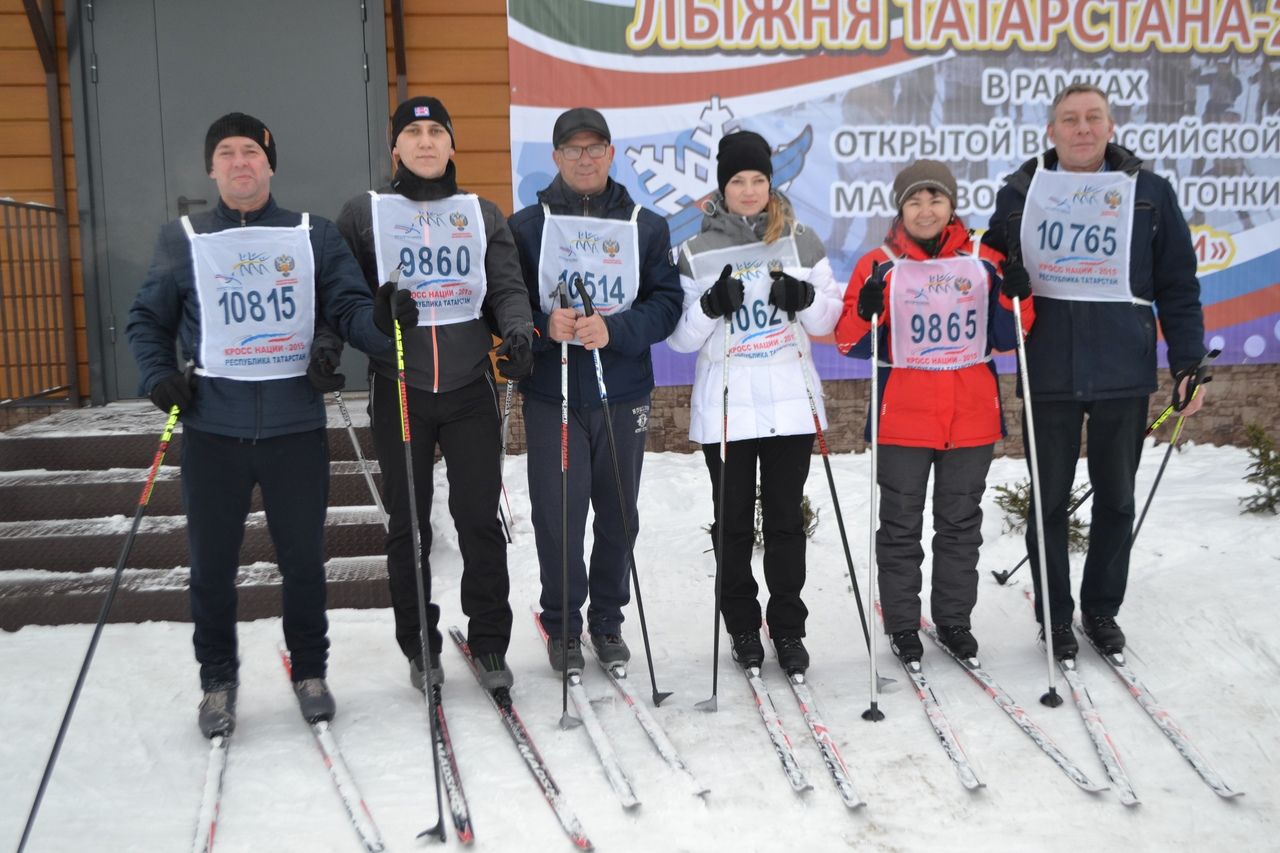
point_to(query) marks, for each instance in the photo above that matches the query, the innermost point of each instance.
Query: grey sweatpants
(960, 476)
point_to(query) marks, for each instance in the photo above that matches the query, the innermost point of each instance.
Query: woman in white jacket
(751, 273)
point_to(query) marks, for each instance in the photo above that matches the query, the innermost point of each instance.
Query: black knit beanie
(739, 152)
(421, 108)
(239, 124)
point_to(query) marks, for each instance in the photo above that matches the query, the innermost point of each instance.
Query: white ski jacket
(766, 397)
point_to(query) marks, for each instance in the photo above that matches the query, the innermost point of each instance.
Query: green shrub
(810, 519)
(1264, 472)
(1015, 501)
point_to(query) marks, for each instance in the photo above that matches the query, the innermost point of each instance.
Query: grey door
(155, 74)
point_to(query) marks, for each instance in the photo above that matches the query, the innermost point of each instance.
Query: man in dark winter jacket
(586, 228)
(1099, 241)
(455, 253)
(241, 288)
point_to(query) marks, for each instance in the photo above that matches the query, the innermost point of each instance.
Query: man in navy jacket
(621, 253)
(1092, 354)
(241, 289)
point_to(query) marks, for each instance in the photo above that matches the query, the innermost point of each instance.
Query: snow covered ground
(1200, 617)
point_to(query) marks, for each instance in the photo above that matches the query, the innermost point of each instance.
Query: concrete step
(52, 598)
(127, 435)
(79, 545)
(47, 495)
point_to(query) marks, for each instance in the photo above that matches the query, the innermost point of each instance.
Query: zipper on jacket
(435, 363)
(257, 411)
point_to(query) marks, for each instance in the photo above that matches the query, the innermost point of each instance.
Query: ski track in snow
(131, 768)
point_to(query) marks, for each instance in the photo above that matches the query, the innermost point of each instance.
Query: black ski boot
(793, 657)
(610, 649)
(1065, 644)
(748, 651)
(556, 651)
(959, 639)
(906, 645)
(1104, 632)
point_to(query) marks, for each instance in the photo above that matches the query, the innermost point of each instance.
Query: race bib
(939, 313)
(760, 331)
(1075, 235)
(256, 290)
(439, 249)
(602, 254)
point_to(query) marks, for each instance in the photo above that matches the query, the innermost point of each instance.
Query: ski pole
(1178, 405)
(567, 720)
(873, 713)
(712, 704)
(364, 464)
(1050, 698)
(589, 308)
(430, 692)
(509, 395)
(1003, 577)
(102, 621)
(831, 485)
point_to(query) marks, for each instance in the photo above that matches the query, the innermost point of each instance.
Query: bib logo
(250, 263)
(588, 242)
(775, 265)
(284, 264)
(458, 220)
(423, 220)
(611, 248)
(1086, 195)
(1113, 198)
(941, 282)
(748, 271)
(963, 285)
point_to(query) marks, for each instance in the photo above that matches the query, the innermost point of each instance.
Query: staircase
(69, 487)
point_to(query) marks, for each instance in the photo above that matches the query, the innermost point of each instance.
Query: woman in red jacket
(942, 309)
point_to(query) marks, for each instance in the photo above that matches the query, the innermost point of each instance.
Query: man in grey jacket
(456, 255)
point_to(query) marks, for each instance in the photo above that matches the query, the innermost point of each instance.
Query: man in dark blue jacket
(241, 289)
(586, 228)
(1099, 241)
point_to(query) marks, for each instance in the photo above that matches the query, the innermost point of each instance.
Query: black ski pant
(466, 424)
(959, 479)
(1115, 433)
(591, 481)
(218, 476)
(784, 466)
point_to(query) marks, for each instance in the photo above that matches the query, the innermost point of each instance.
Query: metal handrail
(37, 317)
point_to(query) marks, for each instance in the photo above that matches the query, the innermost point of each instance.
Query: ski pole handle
(588, 307)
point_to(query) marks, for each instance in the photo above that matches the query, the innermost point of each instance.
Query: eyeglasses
(574, 152)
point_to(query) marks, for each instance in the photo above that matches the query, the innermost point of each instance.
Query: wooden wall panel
(461, 58)
(25, 169)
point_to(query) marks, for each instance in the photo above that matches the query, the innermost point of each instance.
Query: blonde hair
(781, 217)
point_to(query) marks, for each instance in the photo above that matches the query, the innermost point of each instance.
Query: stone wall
(1238, 395)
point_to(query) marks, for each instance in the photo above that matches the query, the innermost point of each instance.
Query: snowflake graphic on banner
(676, 175)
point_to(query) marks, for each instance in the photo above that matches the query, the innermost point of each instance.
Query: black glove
(176, 389)
(1017, 282)
(725, 296)
(322, 371)
(1199, 375)
(790, 293)
(515, 353)
(392, 303)
(871, 296)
